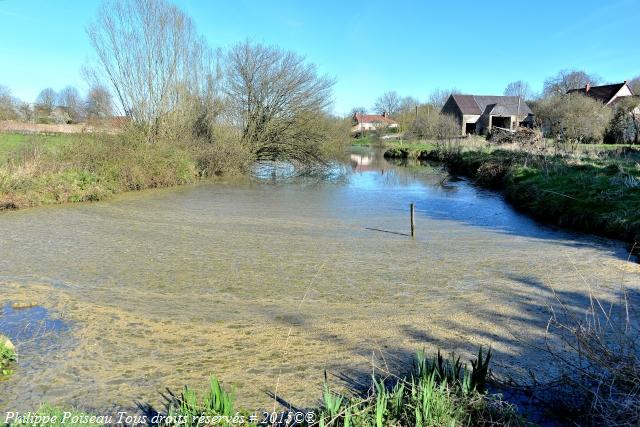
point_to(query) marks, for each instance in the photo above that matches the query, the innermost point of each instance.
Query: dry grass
(599, 357)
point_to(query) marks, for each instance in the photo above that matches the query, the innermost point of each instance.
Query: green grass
(365, 141)
(437, 392)
(7, 357)
(12, 142)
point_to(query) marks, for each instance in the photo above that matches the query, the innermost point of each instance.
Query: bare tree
(70, 99)
(438, 97)
(519, 88)
(359, 110)
(278, 101)
(408, 104)
(46, 100)
(8, 104)
(99, 103)
(25, 112)
(568, 79)
(150, 54)
(388, 102)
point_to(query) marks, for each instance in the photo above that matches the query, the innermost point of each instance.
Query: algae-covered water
(269, 283)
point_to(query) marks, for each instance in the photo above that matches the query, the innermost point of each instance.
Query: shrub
(573, 118)
(7, 356)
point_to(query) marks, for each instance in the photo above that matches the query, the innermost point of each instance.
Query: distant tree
(99, 103)
(574, 118)
(431, 124)
(359, 110)
(519, 88)
(634, 84)
(279, 101)
(70, 99)
(408, 104)
(438, 97)
(25, 112)
(7, 104)
(568, 79)
(388, 102)
(46, 100)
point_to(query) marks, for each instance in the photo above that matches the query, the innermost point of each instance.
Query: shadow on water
(535, 391)
(440, 196)
(225, 264)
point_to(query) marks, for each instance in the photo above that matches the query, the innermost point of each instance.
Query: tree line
(153, 67)
(573, 118)
(65, 106)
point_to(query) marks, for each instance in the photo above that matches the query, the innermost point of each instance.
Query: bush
(7, 356)
(573, 118)
(624, 127)
(92, 167)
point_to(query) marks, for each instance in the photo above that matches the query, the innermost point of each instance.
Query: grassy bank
(41, 169)
(596, 192)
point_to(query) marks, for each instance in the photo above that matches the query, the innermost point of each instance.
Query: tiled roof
(601, 93)
(493, 105)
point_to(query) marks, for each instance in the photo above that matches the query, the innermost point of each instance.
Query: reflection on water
(269, 284)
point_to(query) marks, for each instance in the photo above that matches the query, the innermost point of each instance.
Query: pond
(269, 283)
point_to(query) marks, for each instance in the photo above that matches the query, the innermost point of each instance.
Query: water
(267, 284)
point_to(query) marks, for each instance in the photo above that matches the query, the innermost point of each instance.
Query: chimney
(587, 87)
(384, 114)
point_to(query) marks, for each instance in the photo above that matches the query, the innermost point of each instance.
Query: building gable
(605, 93)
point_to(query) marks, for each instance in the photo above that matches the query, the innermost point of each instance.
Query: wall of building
(624, 91)
(469, 118)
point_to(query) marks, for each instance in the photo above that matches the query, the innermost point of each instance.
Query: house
(370, 122)
(479, 114)
(607, 94)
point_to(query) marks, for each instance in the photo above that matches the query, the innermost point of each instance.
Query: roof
(601, 93)
(492, 105)
(373, 118)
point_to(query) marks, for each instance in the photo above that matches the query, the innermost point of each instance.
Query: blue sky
(370, 46)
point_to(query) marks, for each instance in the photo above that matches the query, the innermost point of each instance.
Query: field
(13, 142)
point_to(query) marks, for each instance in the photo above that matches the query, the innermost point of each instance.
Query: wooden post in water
(413, 221)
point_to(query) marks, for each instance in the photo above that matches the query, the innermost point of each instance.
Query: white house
(368, 122)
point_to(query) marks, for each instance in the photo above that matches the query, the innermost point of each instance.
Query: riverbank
(40, 169)
(594, 193)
